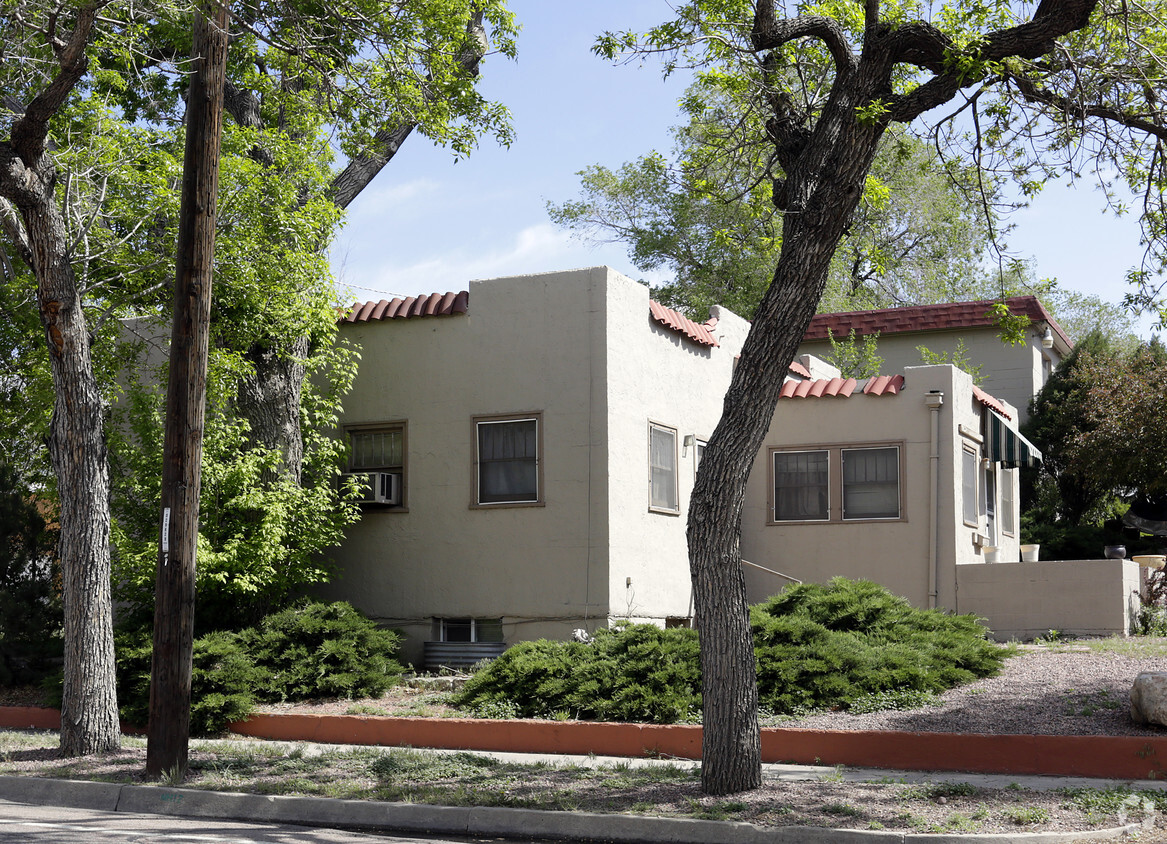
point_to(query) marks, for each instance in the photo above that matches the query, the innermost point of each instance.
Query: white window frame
(476, 481)
(653, 470)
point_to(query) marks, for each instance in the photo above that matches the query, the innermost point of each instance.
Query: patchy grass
(1136, 647)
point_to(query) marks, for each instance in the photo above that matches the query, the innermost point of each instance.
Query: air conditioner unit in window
(378, 487)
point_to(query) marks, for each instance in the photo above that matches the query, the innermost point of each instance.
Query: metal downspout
(934, 400)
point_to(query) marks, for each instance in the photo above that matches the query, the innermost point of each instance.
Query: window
(989, 504)
(1008, 510)
(801, 486)
(837, 483)
(507, 460)
(380, 449)
(662, 459)
(968, 471)
(698, 455)
(871, 483)
(469, 629)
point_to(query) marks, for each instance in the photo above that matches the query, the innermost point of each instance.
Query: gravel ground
(1039, 692)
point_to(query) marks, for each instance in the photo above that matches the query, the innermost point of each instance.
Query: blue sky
(429, 223)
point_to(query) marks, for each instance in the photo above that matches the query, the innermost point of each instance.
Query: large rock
(1149, 698)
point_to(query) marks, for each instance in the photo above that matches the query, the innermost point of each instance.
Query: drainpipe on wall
(934, 400)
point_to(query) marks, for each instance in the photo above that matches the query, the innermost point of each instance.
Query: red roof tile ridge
(682, 324)
(990, 401)
(910, 318)
(798, 369)
(432, 304)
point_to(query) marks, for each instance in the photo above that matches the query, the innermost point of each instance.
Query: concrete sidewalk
(529, 823)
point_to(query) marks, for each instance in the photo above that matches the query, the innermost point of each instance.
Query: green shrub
(839, 643)
(637, 672)
(844, 644)
(222, 677)
(319, 650)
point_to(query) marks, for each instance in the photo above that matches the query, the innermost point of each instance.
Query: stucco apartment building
(528, 448)
(534, 442)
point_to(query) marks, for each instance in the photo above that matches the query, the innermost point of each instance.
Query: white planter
(992, 553)
(1029, 553)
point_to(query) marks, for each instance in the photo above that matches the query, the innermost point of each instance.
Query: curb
(475, 822)
(1098, 757)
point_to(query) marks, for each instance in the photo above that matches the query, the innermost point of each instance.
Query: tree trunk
(169, 727)
(820, 195)
(269, 398)
(89, 714)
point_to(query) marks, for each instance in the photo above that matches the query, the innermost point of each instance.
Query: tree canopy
(1017, 90)
(91, 121)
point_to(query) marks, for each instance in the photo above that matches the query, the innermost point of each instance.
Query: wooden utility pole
(170, 670)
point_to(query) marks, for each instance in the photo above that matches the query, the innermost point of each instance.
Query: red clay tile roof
(881, 385)
(682, 324)
(927, 318)
(435, 304)
(988, 401)
(798, 369)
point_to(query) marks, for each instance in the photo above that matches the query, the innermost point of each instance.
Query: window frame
(475, 623)
(1008, 509)
(899, 463)
(835, 492)
(773, 486)
(676, 470)
(970, 496)
(698, 453)
(402, 469)
(475, 470)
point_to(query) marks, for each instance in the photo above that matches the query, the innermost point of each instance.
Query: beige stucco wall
(1074, 597)
(1011, 373)
(895, 553)
(528, 344)
(656, 375)
(580, 348)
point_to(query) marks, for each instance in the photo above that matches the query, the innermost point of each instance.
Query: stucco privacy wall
(1074, 597)
(530, 344)
(1011, 373)
(655, 375)
(893, 552)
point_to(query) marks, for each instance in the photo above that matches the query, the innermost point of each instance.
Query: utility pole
(169, 728)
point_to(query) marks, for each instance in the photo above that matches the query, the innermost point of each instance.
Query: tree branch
(1033, 93)
(769, 32)
(30, 132)
(1030, 40)
(363, 168)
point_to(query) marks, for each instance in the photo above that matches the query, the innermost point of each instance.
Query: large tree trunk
(269, 398)
(821, 192)
(89, 714)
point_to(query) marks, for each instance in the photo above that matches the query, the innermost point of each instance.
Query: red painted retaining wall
(1112, 757)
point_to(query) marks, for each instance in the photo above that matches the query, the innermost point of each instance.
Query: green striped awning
(1003, 444)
